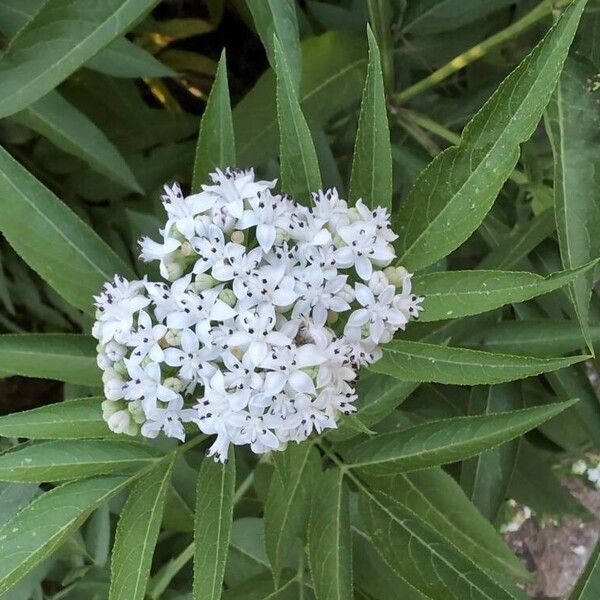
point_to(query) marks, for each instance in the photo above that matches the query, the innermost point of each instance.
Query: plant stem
(541, 11)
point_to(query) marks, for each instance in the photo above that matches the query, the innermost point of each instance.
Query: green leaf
(418, 361)
(123, 58)
(59, 121)
(454, 294)
(137, 533)
(287, 507)
(421, 556)
(536, 336)
(371, 177)
(72, 459)
(13, 497)
(435, 496)
(216, 142)
(299, 166)
(39, 529)
(378, 395)
(278, 17)
(329, 538)
(486, 478)
(76, 420)
(588, 584)
(52, 239)
(454, 193)
(212, 530)
(446, 441)
(70, 32)
(572, 120)
(66, 357)
(332, 81)
(435, 16)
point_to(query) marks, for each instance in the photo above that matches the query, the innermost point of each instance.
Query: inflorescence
(247, 340)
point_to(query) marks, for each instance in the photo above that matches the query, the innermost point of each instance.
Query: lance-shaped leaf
(71, 459)
(332, 80)
(421, 556)
(454, 294)
(212, 530)
(454, 193)
(486, 478)
(299, 166)
(418, 361)
(439, 500)
(69, 129)
(371, 177)
(216, 142)
(542, 337)
(278, 17)
(329, 538)
(137, 532)
(75, 419)
(572, 122)
(62, 356)
(71, 32)
(35, 532)
(588, 584)
(52, 239)
(287, 507)
(446, 441)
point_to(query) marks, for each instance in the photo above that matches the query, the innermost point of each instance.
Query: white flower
(193, 356)
(241, 341)
(168, 419)
(255, 332)
(146, 340)
(317, 296)
(363, 249)
(377, 312)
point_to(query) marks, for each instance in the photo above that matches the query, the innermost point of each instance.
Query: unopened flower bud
(173, 337)
(346, 293)
(174, 270)
(228, 297)
(396, 275)
(378, 282)
(579, 467)
(237, 236)
(338, 242)
(103, 361)
(353, 215)
(146, 361)
(115, 351)
(203, 281)
(186, 249)
(120, 368)
(137, 411)
(119, 421)
(332, 317)
(110, 407)
(114, 389)
(175, 384)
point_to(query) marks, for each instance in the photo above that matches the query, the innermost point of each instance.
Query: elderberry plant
(370, 298)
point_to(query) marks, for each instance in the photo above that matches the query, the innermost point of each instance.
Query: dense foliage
(475, 123)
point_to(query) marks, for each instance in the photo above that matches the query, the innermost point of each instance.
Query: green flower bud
(175, 384)
(120, 368)
(237, 237)
(579, 467)
(110, 407)
(228, 297)
(173, 337)
(174, 270)
(204, 281)
(332, 317)
(136, 411)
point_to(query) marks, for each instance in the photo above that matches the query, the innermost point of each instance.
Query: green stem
(541, 11)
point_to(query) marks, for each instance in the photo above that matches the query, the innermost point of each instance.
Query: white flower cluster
(245, 340)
